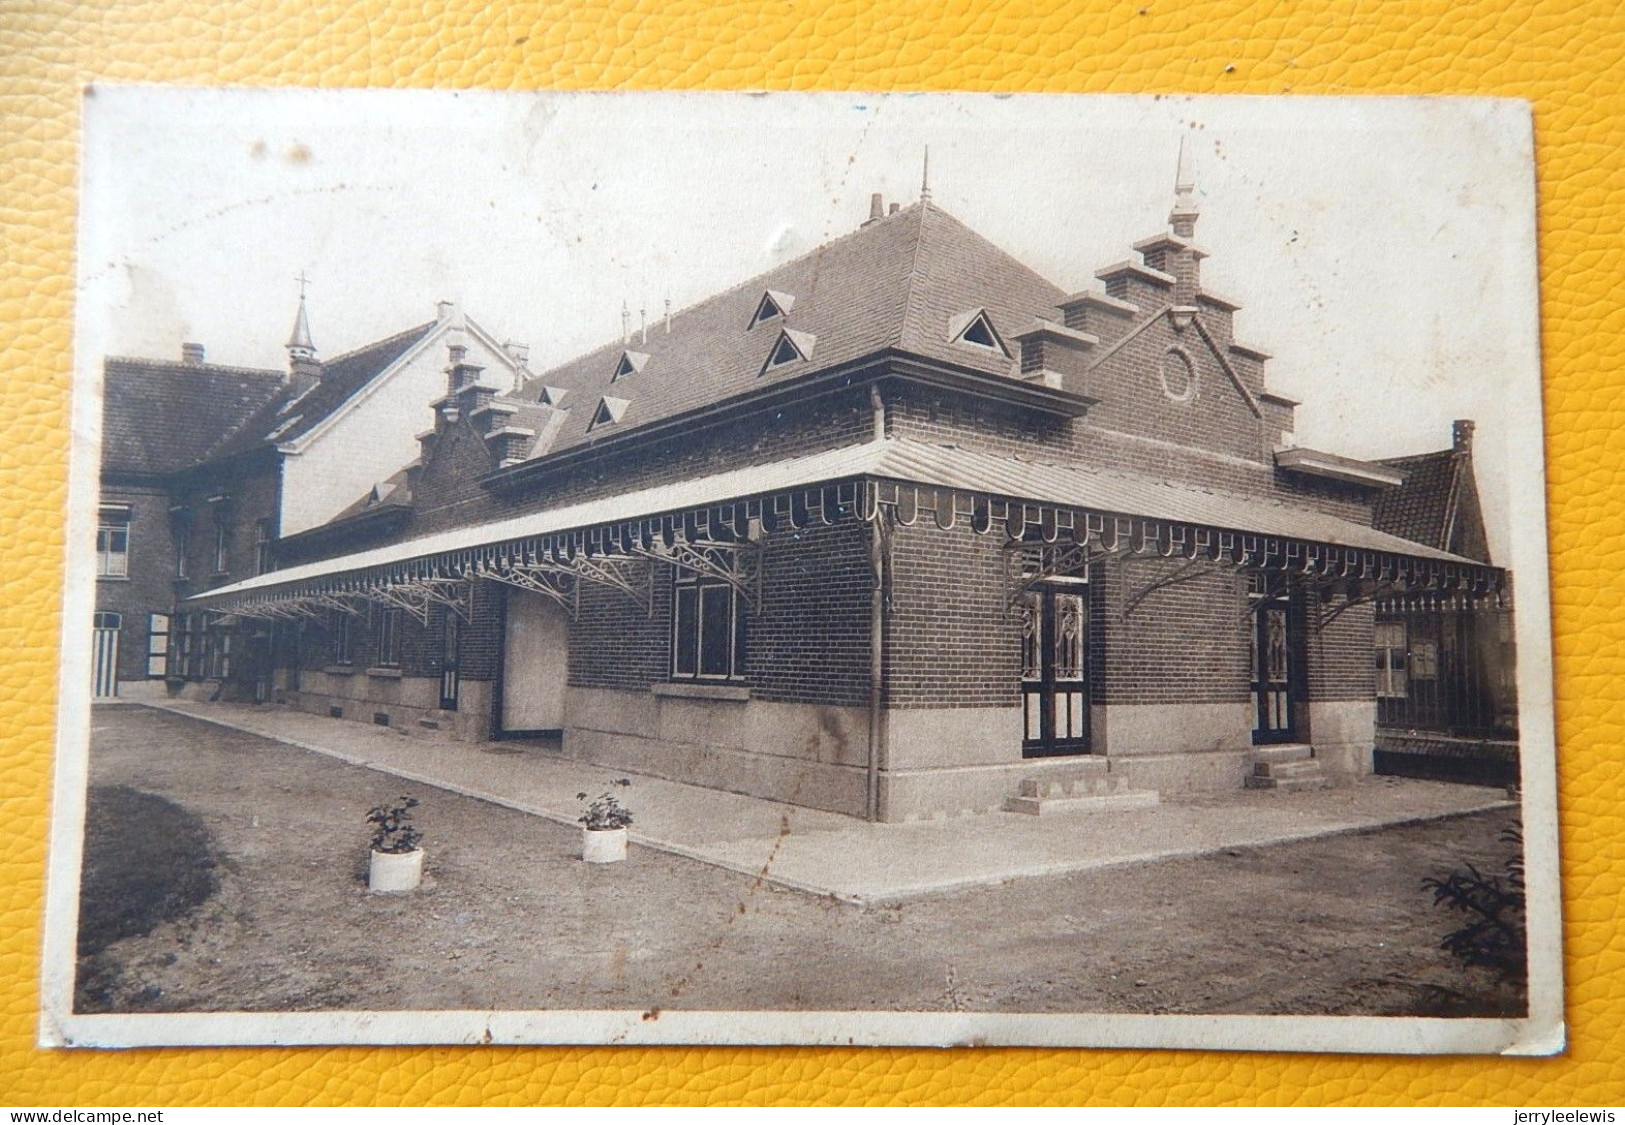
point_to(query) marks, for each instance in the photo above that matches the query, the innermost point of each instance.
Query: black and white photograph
(791, 569)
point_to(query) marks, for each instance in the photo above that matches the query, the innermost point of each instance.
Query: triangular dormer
(552, 396)
(773, 305)
(790, 347)
(610, 411)
(630, 363)
(975, 329)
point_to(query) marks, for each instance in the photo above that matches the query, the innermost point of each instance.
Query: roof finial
(299, 343)
(1185, 213)
(925, 177)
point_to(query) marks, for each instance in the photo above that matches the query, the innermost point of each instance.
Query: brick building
(206, 468)
(899, 529)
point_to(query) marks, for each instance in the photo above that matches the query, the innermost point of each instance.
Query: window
(113, 544)
(264, 560)
(610, 411)
(182, 534)
(1425, 660)
(157, 645)
(1179, 375)
(708, 629)
(343, 639)
(772, 306)
(630, 364)
(389, 638)
(1390, 653)
(974, 328)
(221, 545)
(791, 347)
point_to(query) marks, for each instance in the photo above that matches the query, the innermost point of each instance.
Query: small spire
(299, 343)
(925, 177)
(1185, 213)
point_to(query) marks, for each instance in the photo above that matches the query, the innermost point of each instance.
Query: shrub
(605, 812)
(392, 831)
(1495, 934)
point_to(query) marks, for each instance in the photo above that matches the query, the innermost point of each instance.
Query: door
(104, 655)
(1055, 669)
(1277, 656)
(448, 661)
(535, 663)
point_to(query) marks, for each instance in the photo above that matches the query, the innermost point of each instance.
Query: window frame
(387, 642)
(222, 548)
(111, 523)
(156, 651)
(704, 591)
(1392, 660)
(343, 638)
(264, 541)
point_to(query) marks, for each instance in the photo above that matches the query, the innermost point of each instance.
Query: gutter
(877, 636)
(884, 365)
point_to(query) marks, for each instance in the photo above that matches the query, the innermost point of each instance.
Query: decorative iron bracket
(1052, 561)
(737, 564)
(552, 582)
(1195, 568)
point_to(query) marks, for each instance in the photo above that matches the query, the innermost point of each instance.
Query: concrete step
(1092, 802)
(1289, 784)
(1306, 767)
(1288, 752)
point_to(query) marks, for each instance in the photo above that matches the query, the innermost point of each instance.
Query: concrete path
(829, 854)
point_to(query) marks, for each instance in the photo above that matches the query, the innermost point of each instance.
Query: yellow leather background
(1565, 57)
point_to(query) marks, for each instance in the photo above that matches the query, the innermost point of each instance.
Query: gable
(1175, 385)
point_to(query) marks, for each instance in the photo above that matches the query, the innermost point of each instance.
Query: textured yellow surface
(1565, 57)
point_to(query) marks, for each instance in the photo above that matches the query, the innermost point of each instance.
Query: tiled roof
(342, 377)
(160, 416)
(1419, 508)
(895, 283)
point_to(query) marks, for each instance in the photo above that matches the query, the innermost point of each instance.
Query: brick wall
(1340, 655)
(808, 641)
(149, 587)
(1181, 643)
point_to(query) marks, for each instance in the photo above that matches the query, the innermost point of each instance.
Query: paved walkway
(829, 854)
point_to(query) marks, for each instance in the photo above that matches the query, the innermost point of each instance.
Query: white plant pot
(603, 846)
(392, 873)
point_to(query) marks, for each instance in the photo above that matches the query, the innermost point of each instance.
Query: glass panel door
(1055, 670)
(1276, 658)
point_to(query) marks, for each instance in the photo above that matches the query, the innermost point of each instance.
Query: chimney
(191, 353)
(443, 310)
(894, 208)
(668, 316)
(1461, 435)
(626, 324)
(877, 208)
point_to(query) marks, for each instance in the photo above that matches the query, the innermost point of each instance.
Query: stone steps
(1286, 769)
(1089, 787)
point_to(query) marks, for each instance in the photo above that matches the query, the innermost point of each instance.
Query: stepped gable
(896, 283)
(161, 416)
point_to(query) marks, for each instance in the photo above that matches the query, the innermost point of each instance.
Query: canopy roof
(901, 462)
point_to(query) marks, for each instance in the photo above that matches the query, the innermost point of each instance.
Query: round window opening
(1178, 376)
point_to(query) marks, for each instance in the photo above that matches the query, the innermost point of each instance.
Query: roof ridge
(182, 365)
(721, 294)
(924, 205)
(381, 341)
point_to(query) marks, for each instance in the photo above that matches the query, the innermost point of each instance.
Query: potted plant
(397, 861)
(603, 825)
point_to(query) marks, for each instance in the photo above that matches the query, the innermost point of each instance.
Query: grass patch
(147, 860)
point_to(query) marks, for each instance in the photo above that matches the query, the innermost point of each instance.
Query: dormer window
(610, 411)
(630, 363)
(772, 306)
(976, 330)
(551, 396)
(790, 347)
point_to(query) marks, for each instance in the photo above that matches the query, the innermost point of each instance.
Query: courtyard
(226, 871)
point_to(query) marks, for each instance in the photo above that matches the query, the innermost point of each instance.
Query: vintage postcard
(805, 569)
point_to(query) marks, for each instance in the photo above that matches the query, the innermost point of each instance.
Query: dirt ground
(510, 918)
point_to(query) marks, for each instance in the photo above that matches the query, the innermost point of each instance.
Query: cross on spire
(303, 281)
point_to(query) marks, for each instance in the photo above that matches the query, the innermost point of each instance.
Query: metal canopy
(716, 525)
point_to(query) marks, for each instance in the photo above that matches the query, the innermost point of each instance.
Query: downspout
(877, 638)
